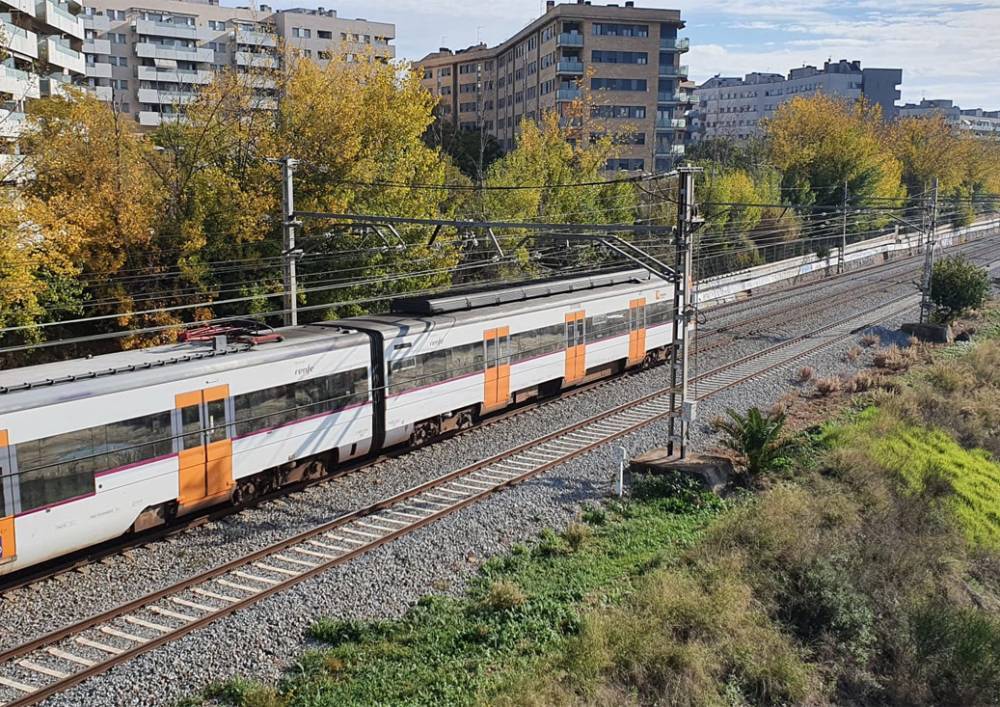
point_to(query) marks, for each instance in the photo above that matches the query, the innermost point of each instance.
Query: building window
(625, 164)
(618, 84)
(607, 57)
(605, 29)
(117, 38)
(446, 71)
(324, 34)
(428, 73)
(216, 25)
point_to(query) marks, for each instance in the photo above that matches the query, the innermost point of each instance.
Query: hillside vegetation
(866, 572)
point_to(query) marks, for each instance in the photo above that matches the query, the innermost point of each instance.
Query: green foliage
(472, 151)
(757, 437)
(958, 653)
(958, 285)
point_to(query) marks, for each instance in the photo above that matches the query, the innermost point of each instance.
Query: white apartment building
(40, 52)
(733, 107)
(974, 120)
(150, 58)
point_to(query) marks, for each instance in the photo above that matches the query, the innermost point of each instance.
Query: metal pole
(930, 240)
(682, 320)
(288, 251)
(841, 261)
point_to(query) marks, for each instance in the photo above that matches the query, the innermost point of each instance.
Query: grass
(922, 456)
(521, 609)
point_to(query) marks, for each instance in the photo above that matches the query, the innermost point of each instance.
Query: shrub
(550, 544)
(828, 386)
(757, 438)
(576, 535)
(863, 381)
(853, 354)
(958, 285)
(895, 359)
(806, 374)
(503, 595)
(595, 515)
(869, 340)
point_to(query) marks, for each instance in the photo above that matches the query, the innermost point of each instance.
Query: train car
(450, 360)
(94, 448)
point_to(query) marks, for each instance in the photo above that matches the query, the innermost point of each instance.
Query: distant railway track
(55, 662)
(715, 339)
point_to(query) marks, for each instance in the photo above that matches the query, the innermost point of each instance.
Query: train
(92, 449)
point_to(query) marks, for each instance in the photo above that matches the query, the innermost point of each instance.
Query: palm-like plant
(757, 437)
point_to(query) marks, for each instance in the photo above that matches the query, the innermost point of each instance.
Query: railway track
(715, 339)
(57, 661)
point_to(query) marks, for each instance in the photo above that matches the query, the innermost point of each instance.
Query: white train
(94, 448)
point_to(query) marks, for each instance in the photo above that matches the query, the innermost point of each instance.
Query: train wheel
(245, 493)
(424, 432)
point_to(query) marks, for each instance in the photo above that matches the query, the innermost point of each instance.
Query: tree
(821, 142)
(756, 437)
(958, 285)
(472, 151)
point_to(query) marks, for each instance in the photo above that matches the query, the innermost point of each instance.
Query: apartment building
(977, 121)
(151, 58)
(40, 52)
(733, 107)
(626, 60)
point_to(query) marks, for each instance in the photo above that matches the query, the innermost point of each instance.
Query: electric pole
(930, 241)
(289, 253)
(842, 260)
(683, 317)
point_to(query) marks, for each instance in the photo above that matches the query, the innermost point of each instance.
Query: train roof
(460, 300)
(576, 290)
(157, 364)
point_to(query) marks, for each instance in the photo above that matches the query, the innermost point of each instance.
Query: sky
(946, 50)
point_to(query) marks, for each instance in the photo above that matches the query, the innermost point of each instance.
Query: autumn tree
(822, 142)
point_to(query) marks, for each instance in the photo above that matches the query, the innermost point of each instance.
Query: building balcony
(58, 54)
(164, 98)
(569, 39)
(11, 124)
(152, 119)
(567, 94)
(256, 61)
(181, 76)
(18, 41)
(15, 169)
(681, 44)
(97, 46)
(19, 84)
(151, 28)
(256, 39)
(25, 6)
(98, 23)
(675, 97)
(59, 16)
(569, 67)
(671, 124)
(57, 86)
(672, 150)
(98, 71)
(672, 72)
(103, 93)
(172, 52)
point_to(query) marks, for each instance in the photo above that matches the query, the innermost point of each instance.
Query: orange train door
(576, 350)
(8, 543)
(206, 455)
(636, 331)
(497, 350)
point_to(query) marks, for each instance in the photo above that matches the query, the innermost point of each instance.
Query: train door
(206, 449)
(8, 543)
(636, 330)
(576, 350)
(497, 349)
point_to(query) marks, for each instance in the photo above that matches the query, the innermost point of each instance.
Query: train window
(191, 427)
(658, 312)
(272, 407)
(216, 423)
(140, 438)
(62, 466)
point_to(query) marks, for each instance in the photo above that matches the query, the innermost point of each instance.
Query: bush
(503, 595)
(958, 652)
(806, 374)
(576, 535)
(958, 285)
(828, 386)
(853, 354)
(595, 515)
(869, 340)
(757, 438)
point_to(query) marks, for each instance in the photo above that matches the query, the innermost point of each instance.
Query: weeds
(503, 595)
(828, 386)
(853, 354)
(806, 374)
(576, 534)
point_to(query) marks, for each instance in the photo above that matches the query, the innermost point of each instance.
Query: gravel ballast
(263, 640)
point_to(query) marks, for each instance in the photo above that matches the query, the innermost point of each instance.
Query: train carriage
(127, 440)
(93, 448)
